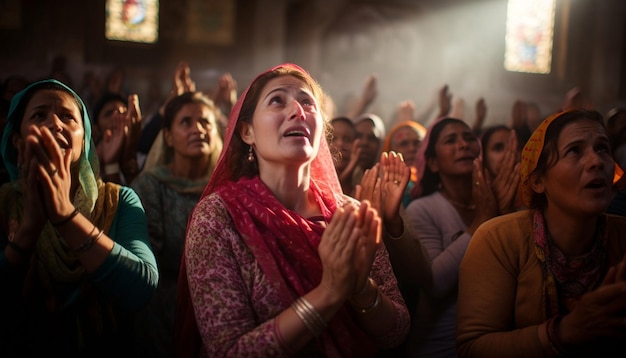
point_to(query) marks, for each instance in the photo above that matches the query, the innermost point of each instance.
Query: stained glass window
(132, 20)
(529, 34)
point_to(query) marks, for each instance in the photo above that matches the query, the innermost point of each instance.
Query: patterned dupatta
(567, 278)
(285, 245)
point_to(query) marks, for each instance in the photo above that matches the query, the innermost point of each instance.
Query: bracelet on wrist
(66, 219)
(88, 244)
(309, 316)
(555, 343)
(374, 304)
(369, 308)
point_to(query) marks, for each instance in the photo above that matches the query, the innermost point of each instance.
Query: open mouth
(297, 132)
(63, 143)
(465, 159)
(597, 184)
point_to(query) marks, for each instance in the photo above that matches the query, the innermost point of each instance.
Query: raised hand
(506, 181)
(519, 115)
(574, 98)
(483, 196)
(370, 187)
(481, 113)
(370, 90)
(181, 83)
(182, 79)
(445, 101)
(110, 147)
(395, 178)
(225, 93)
(131, 121)
(406, 112)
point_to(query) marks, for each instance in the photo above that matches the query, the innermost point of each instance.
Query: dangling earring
(250, 155)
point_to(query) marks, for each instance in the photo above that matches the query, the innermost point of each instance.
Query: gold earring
(250, 155)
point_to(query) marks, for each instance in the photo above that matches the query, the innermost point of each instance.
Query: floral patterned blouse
(233, 301)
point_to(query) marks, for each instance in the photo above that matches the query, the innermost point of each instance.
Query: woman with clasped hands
(75, 260)
(551, 280)
(277, 260)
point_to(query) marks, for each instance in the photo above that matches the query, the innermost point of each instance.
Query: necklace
(470, 207)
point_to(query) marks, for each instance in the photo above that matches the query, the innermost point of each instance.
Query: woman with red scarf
(277, 260)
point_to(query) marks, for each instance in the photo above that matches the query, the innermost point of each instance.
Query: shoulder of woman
(210, 205)
(144, 179)
(430, 203)
(512, 229)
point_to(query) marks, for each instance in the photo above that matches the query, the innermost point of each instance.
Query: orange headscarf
(420, 129)
(531, 153)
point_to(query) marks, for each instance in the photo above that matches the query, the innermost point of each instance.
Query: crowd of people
(263, 223)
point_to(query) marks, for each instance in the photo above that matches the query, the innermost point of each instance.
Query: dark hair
(333, 152)
(105, 99)
(430, 181)
(486, 137)
(346, 120)
(238, 148)
(18, 114)
(550, 155)
(489, 131)
(178, 102)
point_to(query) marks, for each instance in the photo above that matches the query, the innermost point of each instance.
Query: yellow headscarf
(531, 153)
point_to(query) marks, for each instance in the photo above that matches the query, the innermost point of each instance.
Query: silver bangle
(309, 316)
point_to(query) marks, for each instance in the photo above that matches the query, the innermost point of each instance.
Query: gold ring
(477, 184)
(396, 182)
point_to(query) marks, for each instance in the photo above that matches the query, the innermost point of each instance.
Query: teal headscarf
(88, 165)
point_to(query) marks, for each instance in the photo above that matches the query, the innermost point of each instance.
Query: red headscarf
(283, 242)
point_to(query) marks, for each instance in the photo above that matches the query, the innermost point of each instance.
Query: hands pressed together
(598, 314)
(348, 248)
(45, 173)
(350, 241)
(119, 144)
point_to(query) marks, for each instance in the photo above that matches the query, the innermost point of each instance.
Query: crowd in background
(261, 222)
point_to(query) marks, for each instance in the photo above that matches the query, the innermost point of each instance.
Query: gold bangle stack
(311, 318)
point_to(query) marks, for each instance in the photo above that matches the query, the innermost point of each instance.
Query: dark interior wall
(414, 46)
